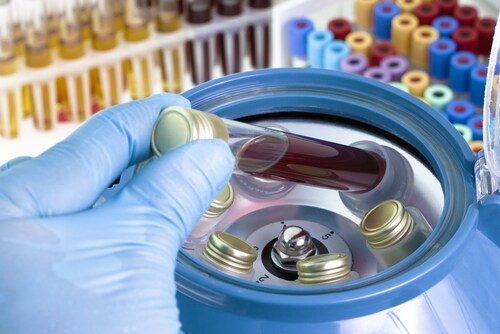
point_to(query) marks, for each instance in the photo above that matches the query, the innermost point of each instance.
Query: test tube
(273, 154)
(10, 101)
(231, 43)
(140, 68)
(84, 12)
(168, 20)
(53, 17)
(119, 13)
(107, 79)
(41, 95)
(200, 51)
(73, 90)
(18, 29)
(260, 37)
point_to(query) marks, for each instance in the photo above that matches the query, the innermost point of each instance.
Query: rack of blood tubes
(64, 60)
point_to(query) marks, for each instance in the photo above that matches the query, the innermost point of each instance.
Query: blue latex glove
(66, 267)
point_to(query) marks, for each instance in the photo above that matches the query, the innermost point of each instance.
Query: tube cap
(297, 31)
(176, 126)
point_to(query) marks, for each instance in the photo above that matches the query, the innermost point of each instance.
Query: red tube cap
(339, 27)
(465, 15)
(426, 13)
(467, 39)
(381, 50)
(486, 29)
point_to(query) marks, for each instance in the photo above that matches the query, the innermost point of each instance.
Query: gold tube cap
(324, 269)
(176, 126)
(386, 224)
(230, 252)
(221, 203)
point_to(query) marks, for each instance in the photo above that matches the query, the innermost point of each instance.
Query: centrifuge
(270, 226)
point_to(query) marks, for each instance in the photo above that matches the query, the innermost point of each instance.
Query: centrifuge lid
(491, 117)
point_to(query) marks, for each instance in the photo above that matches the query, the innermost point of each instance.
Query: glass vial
(321, 269)
(230, 43)
(72, 94)
(272, 154)
(260, 37)
(168, 20)
(9, 117)
(104, 80)
(41, 96)
(211, 218)
(393, 231)
(139, 69)
(200, 51)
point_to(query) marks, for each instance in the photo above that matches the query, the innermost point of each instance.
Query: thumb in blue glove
(71, 268)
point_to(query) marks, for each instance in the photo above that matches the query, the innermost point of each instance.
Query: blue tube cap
(334, 52)
(478, 77)
(297, 32)
(445, 25)
(383, 13)
(316, 42)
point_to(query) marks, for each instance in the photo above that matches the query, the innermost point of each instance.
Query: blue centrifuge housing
(450, 284)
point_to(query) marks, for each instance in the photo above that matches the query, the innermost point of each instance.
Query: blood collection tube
(464, 131)
(231, 44)
(268, 153)
(167, 21)
(378, 73)
(10, 101)
(53, 17)
(298, 29)
(400, 86)
(355, 63)
(72, 91)
(393, 231)
(461, 65)
(440, 53)
(438, 96)
(119, 14)
(445, 25)
(395, 65)
(41, 96)
(339, 27)
(408, 6)
(426, 13)
(416, 81)
(140, 69)
(446, 7)
(84, 12)
(360, 42)
(363, 13)
(260, 37)
(486, 29)
(317, 40)
(200, 51)
(402, 27)
(106, 80)
(421, 38)
(478, 84)
(459, 111)
(18, 27)
(383, 13)
(381, 50)
(333, 54)
(467, 39)
(465, 15)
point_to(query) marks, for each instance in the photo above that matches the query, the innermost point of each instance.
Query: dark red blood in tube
(314, 162)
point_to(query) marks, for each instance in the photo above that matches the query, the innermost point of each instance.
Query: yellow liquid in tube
(104, 40)
(169, 22)
(135, 31)
(8, 66)
(38, 56)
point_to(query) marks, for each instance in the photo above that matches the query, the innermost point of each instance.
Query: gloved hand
(66, 267)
